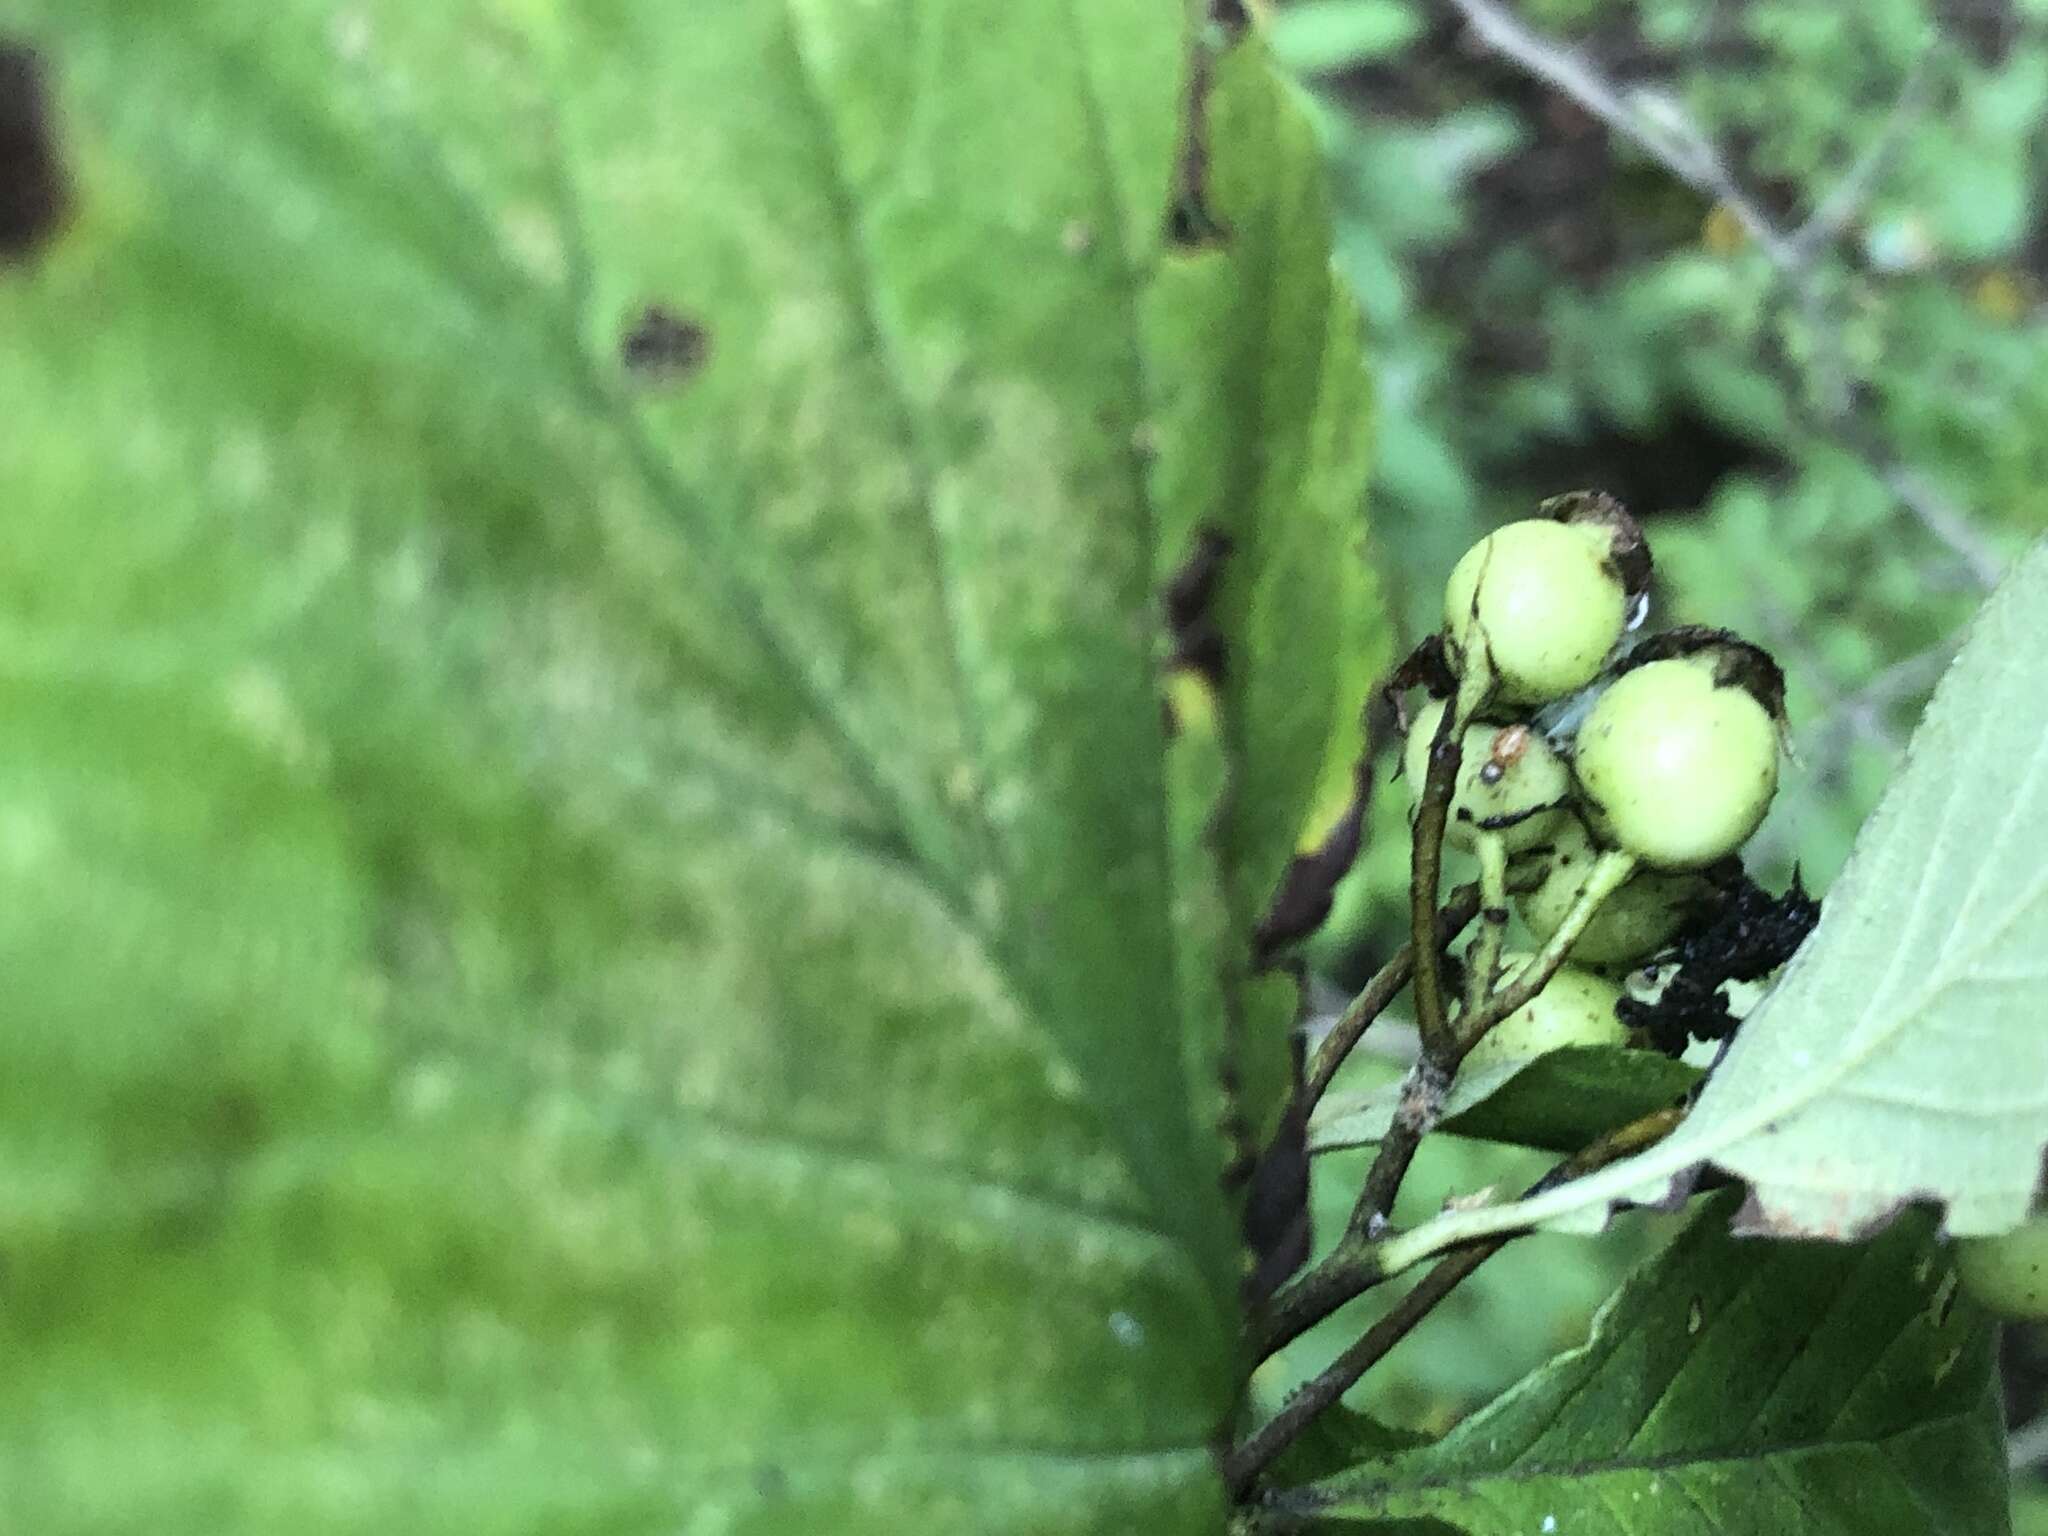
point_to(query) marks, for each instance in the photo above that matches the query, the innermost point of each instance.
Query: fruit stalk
(1446, 752)
(1384, 987)
(1609, 873)
(1422, 1098)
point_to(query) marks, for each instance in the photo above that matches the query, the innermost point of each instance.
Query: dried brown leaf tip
(1198, 641)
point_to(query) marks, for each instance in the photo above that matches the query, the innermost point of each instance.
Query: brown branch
(1353, 1266)
(1422, 1097)
(1246, 1460)
(1431, 1075)
(1384, 987)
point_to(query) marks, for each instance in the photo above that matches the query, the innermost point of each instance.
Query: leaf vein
(865, 286)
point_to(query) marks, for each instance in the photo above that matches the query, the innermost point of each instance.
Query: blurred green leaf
(603, 929)
(1314, 37)
(1732, 1385)
(2030, 1510)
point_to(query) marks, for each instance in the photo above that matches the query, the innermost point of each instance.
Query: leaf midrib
(1311, 1500)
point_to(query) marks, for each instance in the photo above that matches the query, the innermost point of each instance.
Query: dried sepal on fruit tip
(1599, 513)
(1734, 661)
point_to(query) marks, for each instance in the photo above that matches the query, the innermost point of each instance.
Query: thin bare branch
(1246, 1461)
(1648, 119)
(1660, 127)
(1849, 196)
(1862, 712)
(1432, 808)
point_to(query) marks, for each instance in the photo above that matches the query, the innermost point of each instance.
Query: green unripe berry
(1543, 601)
(1576, 1007)
(1677, 766)
(1630, 925)
(2008, 1274)
(1510, 780)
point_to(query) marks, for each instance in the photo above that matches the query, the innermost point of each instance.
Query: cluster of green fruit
(1603, 836)
(1669, 771)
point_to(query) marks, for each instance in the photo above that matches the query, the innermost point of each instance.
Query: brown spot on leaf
(1193, 585)
(664, 347)
(33, 198)
(1191, 227)
(1308, 886)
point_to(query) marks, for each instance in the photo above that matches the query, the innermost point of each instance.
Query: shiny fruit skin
(1576, 1007)
(1545, 599)
(1674, 767)
(1508, 775)
(2008, 1274)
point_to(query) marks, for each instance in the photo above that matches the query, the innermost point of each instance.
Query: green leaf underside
(1734, 1387)
(1558, 1101)
(614, 950)
(1900, 1057)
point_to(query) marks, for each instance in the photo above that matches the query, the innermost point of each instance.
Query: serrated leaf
(1732, 1386)
(1901, 1056)
(596, 919)
(1559, 1101)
